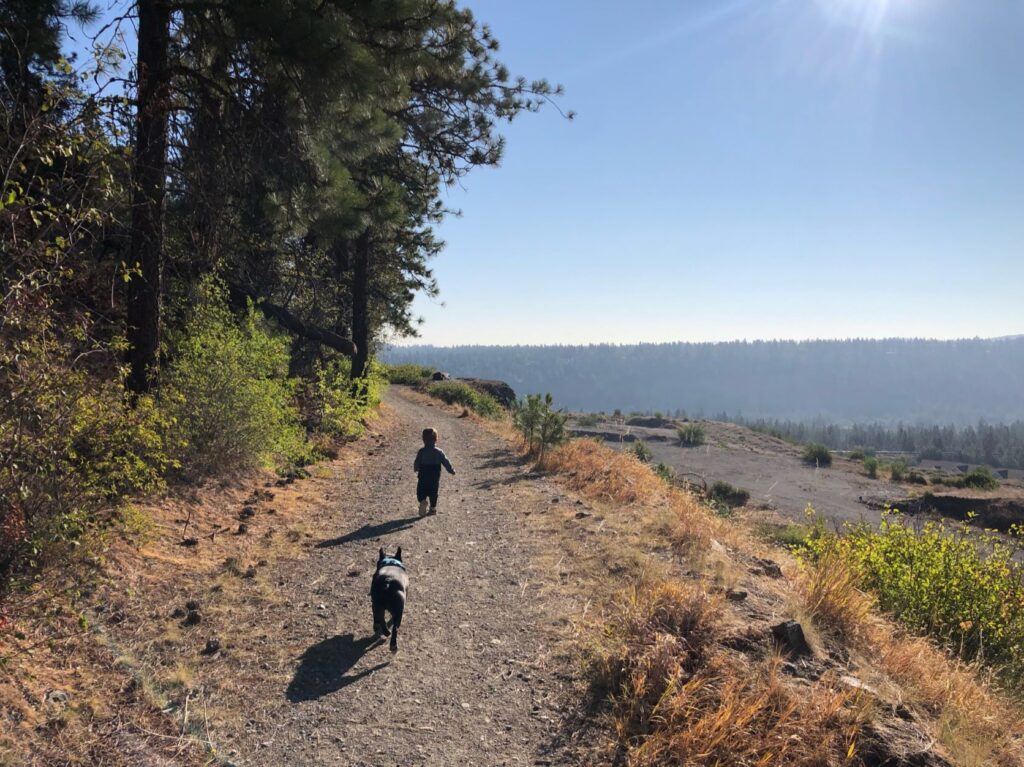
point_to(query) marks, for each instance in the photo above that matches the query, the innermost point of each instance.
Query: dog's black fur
(387, 592)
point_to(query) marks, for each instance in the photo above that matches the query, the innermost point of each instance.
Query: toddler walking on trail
(428, 463)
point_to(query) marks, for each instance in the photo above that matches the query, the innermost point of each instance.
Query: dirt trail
(469, 684)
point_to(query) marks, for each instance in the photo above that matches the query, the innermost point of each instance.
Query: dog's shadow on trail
(370, 531)
(324, 667)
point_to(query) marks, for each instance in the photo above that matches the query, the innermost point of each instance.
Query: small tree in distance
(541, 425)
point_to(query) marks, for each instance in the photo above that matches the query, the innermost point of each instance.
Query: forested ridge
(853, 381)
(207, 224)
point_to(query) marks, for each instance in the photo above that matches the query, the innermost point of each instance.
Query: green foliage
(409, 374)
(335, 405)
(817, 455)
(642, 452)
(980, 478)
(228, 390)
(858, 455)
(871, 466)
(691, 434)
(898, 470)
(588, 420)
(727, 494)
(950, 582)
(541, 425)
(458, 393)
(666, 472)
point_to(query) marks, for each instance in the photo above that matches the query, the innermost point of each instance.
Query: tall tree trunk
(361, 305)
(148, 177)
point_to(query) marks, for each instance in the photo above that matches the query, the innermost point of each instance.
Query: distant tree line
(853, 381)
(1000, 445)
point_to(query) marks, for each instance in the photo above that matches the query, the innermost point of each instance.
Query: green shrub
(588, 420)
(871, 467)
(642, 452)
(666, 472)
(898, 470)
(228, 390)
(949, 582)
(817, 455)
(731, 496)
(690, 434)
(915, 477)
(980, 478)
(408, 374)
(540, 424)
(458, 393)
(857, 455)
(332, 405)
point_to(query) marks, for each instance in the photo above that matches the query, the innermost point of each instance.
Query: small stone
(789, 635)
(735, 595)
(57, 696)
(179, 613)
(194, 618)
(212, 646)
(583, 514)
(247, 512)
(243, 529)
(192, 604)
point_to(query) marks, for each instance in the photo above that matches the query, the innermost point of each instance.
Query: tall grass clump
(871, 466)
(458, 393)
(817, 455)
(642, 452)
(409, 374)
(962, 588)
(228, 391)
(691, 435)
(675, 697)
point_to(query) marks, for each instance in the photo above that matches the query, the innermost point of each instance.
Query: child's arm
(446, 463)
(416, 463)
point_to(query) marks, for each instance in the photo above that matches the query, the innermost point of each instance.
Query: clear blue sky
(748, 169)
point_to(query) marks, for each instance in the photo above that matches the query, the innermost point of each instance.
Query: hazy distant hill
(858, 380)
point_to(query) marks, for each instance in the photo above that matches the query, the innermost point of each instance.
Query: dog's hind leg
(380, 626)
(396, 621)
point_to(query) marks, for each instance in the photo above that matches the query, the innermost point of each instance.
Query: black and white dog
(387, 592)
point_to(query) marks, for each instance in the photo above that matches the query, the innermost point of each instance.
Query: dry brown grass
(677, 697)
(671, 691)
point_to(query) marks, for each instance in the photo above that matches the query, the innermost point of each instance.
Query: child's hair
(429, 435)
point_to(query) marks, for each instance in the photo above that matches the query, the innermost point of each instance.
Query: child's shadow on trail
(323, 667)
(370, 531)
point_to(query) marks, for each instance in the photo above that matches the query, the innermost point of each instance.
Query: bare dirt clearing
(770, 469)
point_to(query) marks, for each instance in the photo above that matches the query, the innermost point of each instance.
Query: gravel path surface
(469, 683)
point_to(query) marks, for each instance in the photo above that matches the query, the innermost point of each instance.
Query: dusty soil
(770, 469)
(471, 682)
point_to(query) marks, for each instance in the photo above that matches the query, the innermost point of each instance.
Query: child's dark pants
(429, 481)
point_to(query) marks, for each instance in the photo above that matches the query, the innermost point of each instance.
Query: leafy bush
(857, 455)
(949, 582)
(871, 467)
(898, 470)
(228, 390)
(817, 455)
(641, 452)
(690, 434)
(332, 405)
(409, 374)
(731, 496)
(915, 477)
(458, 393)
(666, 472)
(588, 420)
(980, 478)
(540, 424)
